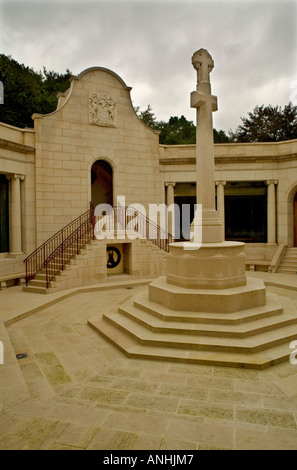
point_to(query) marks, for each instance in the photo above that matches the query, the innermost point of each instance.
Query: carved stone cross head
(203, 63)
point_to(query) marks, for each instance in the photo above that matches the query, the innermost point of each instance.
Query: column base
(15, 254)
(207, 227)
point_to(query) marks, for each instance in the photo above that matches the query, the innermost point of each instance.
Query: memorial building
(94, 149)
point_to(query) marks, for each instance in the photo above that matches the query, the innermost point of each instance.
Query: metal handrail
(56, 252)
(144, 226)
(69, 248)
(38, 260)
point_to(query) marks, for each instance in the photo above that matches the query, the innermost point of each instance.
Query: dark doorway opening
(101, 183)
(4, 215)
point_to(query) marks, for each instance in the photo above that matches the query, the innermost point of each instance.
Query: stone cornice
(229, 159)
(16, 147)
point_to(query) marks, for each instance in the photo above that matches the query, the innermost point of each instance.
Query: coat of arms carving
(102, 110)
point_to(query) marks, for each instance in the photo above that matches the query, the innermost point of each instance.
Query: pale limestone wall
(89, 267)
(17, 157)
(147, 260)
(67, 145)
(56, 158)
(244, 162)
(140, 259)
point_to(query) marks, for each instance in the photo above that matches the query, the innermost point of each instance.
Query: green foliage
(220, 137)
(147, 116)
(177, 131)
(267, 124)
(27, 91)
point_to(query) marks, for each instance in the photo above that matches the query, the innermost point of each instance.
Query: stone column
(271, 212)
(221, 203)
(205, 103)
(15, 226)
(170, 201)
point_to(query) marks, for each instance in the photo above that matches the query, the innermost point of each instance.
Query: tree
(27, 91)
(267, 124)
(147, 116)
(177, 131)
(220, 137)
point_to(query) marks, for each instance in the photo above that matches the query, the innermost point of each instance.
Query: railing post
(62, 248)
(46, 274)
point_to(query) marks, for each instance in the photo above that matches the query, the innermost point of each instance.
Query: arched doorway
(101, 183)
(295, 218)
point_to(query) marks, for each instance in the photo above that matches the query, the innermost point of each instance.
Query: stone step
(40, 276)
(272, 307)
(289, 267)
(289, 264)
(129, 347)
(287, 270)
(242, 330)
(38, 283)
(249, 345)
(35, 289)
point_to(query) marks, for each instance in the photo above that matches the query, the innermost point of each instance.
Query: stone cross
(205, 103)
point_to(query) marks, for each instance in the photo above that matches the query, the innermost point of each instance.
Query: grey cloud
(150, 44)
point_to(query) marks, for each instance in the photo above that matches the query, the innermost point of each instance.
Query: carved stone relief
(102, 110)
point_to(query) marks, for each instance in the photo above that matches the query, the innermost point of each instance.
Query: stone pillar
(170, 201)
(221, 203)
(207, 261)
(15, 226)
(271, 212)
(205, 103)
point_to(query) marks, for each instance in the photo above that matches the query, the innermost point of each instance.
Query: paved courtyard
(75, 390)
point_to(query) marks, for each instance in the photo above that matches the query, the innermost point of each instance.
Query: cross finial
(203, 63)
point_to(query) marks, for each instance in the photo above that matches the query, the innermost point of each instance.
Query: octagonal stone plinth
(234, 299)
(206, 266)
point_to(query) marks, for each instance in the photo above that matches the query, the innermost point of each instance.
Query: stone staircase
(255, 337)
(47, 270)
(88, 266)
(288, 263)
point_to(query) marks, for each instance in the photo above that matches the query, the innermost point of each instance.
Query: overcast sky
(149, 44)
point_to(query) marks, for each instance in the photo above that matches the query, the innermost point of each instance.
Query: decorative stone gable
(102, 110)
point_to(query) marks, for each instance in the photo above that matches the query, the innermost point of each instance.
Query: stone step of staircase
(287, 270)
(288, 264)
(261, 360)
(40, 283)
(35, 289)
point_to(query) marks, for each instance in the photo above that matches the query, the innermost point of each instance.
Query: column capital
(14, 176)
(271, 182)
(17, 175)
(170, 184)
(220, 182)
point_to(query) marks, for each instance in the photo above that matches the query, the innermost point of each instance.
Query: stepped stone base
(256, 337)
(238, 325)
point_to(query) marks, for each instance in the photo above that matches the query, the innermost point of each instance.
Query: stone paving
(75, 390)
